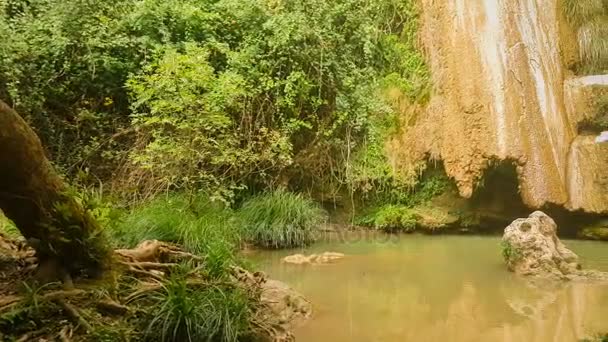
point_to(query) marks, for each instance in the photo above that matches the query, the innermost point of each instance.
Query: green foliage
(185, 108)
(30, 310)
(424, 190)
(509, 253)
(593, 44)
(211, 94)
(64, 65)
(212, 312)
(280, 219)
(8, 227)
(190, 220)
(396, 211)
(197, 224)
(391, 219)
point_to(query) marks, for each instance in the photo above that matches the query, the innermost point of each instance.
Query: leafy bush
(392, 219)
(208, 94)
(280, 219)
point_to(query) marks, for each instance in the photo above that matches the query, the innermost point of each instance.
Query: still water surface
(438, 288)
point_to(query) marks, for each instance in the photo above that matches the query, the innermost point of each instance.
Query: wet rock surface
(323, 258)
(531, 248)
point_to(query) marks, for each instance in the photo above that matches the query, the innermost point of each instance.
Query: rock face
(290, 306)
(531, 248)
(323, 258)
(513, 100)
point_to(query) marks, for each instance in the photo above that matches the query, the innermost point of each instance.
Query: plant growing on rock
(509, 253)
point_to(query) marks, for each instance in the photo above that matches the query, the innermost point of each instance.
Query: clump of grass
(590, 20)
(579, 11)
(280, 219)
(189, 221)
(181, 312)
(197, 224)
(593, 43)
(29, 312)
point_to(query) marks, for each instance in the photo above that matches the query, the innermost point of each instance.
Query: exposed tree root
(73, 313)
(10, 303)
(138, 273)
(65, 334)
(155, 251)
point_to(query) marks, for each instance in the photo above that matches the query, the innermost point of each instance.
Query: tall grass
(593, 43)
(193, 222)
(590, 19)
(183, 313)
(280, 219)
(580, 11)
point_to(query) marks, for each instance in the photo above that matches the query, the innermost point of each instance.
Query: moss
(510, 254)
(403, 219)
(594, 233)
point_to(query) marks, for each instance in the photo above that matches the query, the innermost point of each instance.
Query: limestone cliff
(502, 92)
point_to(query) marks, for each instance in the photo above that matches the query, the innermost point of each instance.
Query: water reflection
(438, 288)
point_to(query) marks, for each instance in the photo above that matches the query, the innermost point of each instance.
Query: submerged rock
(594, 233)
(323, 258)
(531, 248)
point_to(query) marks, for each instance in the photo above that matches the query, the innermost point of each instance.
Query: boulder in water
(531, 248)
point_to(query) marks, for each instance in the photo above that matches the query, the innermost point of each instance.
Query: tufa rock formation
(531, 248)
(503, 93)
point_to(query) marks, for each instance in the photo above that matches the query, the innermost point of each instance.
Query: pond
(437, 288)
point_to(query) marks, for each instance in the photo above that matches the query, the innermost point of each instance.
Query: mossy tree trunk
(37, 200)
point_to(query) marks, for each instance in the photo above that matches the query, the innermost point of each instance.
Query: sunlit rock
(531, 248)
(323, 258)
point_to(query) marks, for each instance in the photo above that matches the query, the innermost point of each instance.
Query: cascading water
(502, 92)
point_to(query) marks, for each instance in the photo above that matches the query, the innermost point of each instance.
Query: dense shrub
(213, 95)
(391, 219)
(280, 219)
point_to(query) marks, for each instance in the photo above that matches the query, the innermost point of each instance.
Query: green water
(439, 288)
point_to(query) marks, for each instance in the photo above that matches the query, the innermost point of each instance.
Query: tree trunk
(37, 200)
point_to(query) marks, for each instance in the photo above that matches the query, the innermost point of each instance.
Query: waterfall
(502, 92)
